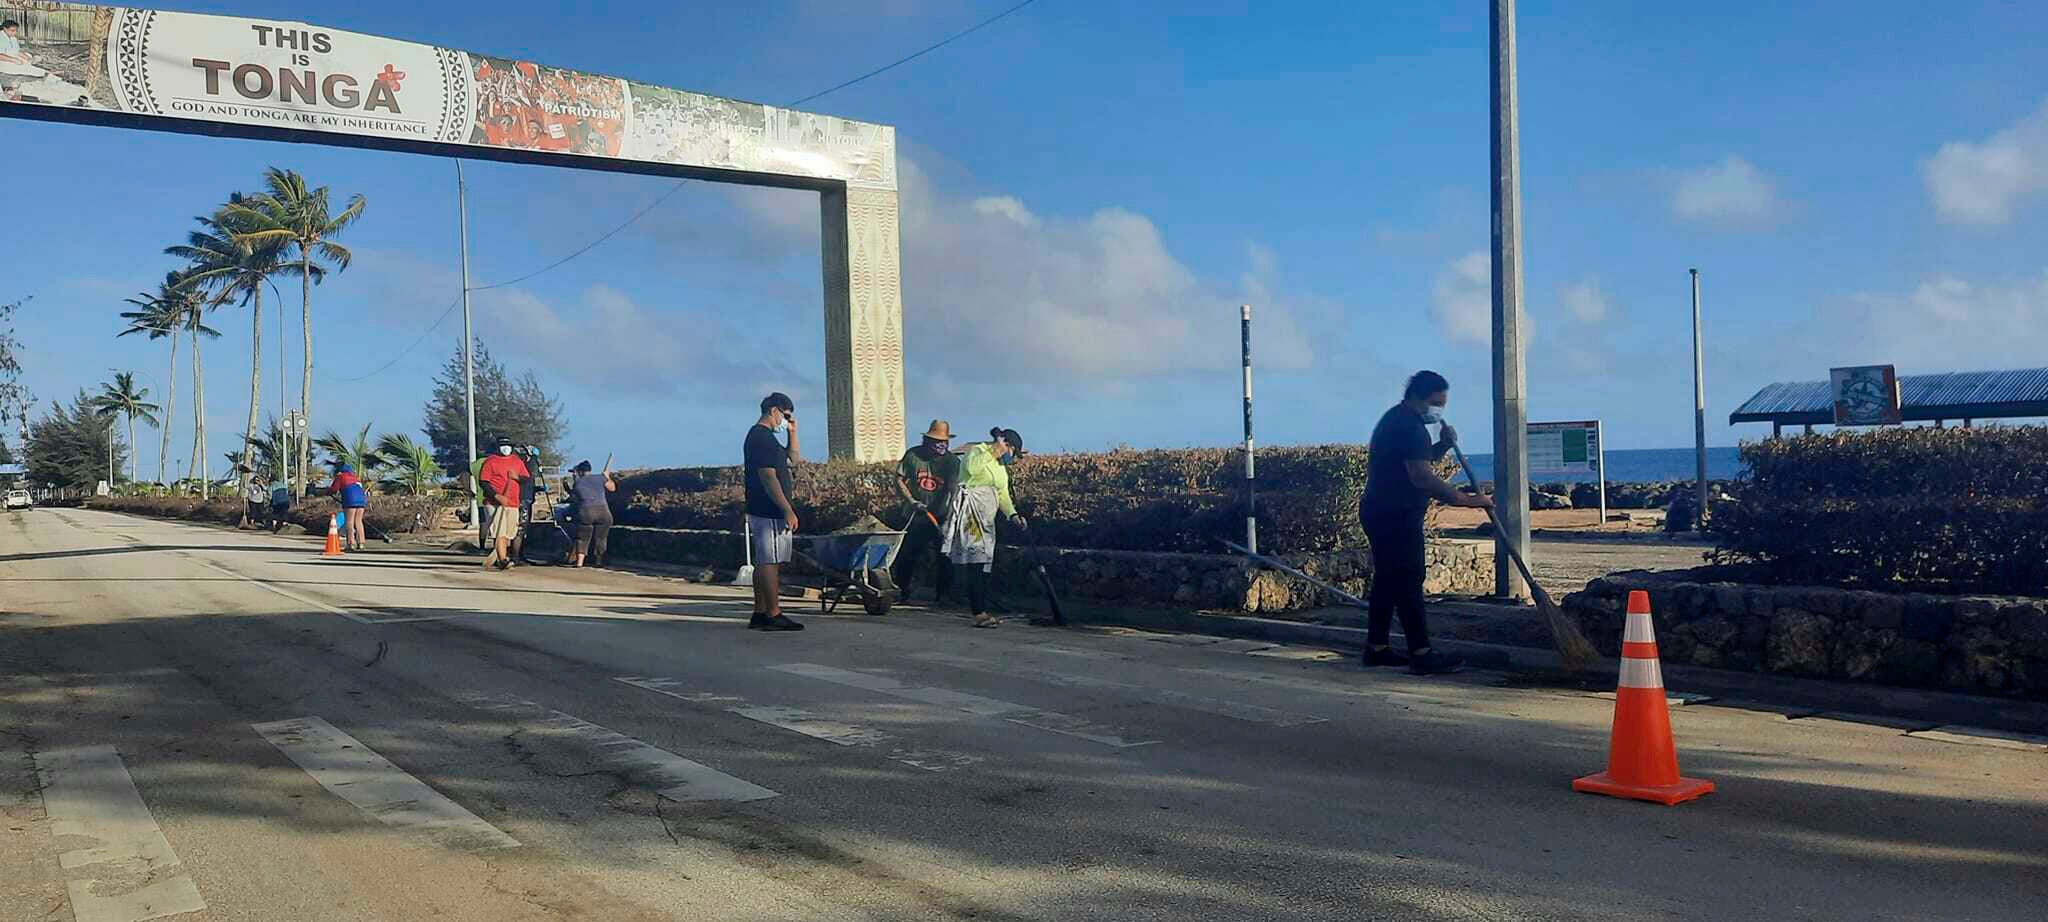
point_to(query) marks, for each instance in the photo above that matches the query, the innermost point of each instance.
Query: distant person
(499, 479)
(257, 496)
(280, 504)
(530, 488)
(348, 490)
(771, 509)
(983, 493)
(14, 61)
(925, 477)
(593, 513)
(1400, 481)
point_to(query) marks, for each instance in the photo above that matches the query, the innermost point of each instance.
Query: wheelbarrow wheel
(879, 603)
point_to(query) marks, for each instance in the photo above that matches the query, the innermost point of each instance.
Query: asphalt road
(219, 725)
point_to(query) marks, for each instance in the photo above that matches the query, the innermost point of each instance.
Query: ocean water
(1640, 465)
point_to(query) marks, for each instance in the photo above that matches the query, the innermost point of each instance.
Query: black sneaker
(757, 622)
(779, 623)
(1434, 663)
(1387, 657)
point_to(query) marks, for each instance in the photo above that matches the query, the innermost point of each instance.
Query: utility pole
(1251, 483)
(1510, 411)
(468, 337)
(1699, 410)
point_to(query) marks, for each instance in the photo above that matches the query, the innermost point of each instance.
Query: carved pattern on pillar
(863, 323)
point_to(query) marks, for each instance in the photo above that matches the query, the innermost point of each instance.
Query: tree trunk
(305, 435)
(255, 397)
(199, 420)
(134, 454)
(163, 453)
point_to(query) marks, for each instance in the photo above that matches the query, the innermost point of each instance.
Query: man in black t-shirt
(771, 513)
(1400, 481)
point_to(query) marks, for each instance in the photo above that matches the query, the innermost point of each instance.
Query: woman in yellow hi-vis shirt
(983, 493)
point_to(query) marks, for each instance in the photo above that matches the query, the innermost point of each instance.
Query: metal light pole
(468, 337)
(1510, 413)
(1699, 409)
(1251, 483)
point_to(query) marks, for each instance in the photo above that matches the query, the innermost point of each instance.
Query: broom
(1572, 646)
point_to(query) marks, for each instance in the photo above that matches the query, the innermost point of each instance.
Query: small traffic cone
(1642, 759)
(333, 537)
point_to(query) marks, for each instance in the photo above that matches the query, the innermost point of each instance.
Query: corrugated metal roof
(1951, 389)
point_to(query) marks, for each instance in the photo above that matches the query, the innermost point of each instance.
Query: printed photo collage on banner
(294, 76)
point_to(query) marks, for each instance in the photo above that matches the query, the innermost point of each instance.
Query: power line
(402, 353)
(992, 20)
(635, 219)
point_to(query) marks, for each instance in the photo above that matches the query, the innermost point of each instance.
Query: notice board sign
(1564, 448)
(1866, 395)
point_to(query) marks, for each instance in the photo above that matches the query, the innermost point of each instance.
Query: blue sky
(1859, 183)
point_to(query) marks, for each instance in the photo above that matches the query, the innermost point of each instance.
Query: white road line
(89, 794)
(357, 774)
(831, 731)
(973, 704)
(1239, 710)
(302, 600)
(675, 777)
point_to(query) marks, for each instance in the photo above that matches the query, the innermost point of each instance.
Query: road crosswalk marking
(977, 705)
(357, 774)
(1239, 710)
(675, 777)
(808, 724)
(89, 794)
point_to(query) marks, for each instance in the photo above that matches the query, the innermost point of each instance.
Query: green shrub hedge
(1963, 510)
(388, 514)
(1162, 500)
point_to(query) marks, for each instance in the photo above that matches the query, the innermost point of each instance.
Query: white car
(20, 499)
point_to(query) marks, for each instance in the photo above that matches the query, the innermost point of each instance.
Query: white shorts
(501, 523)
(773, 543)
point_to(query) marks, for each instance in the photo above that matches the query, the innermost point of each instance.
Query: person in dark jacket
(593, 513)
(926, 477)
(1400, 482)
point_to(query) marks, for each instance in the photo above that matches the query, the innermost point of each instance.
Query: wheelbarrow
(856, 565)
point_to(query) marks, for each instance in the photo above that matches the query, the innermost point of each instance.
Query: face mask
(1431, 415)
(1008, 459)
(504, 449)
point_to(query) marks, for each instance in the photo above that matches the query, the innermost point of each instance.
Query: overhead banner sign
(1866, 395)
(293, 76)
(1564, 448)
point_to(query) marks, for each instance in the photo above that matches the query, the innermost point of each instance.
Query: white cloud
(1731, 192)
(1584, 300)
(1985, 182)
(994, 290)
(1463, 299)
(1948, 323)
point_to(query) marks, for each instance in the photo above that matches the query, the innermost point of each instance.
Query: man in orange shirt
(500, 478)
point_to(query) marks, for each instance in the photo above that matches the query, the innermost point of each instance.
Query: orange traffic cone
(1642, 759)
(333, 537)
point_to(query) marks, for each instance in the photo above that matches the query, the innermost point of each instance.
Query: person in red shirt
(500, 477)
(348, 490)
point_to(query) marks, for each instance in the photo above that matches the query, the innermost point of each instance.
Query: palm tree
(164, 314)
(194, 322)
(229, 268)
(157, 315)
(271, 451)
(302, 220)
(121, 398)
(358, 453)
(410, 464)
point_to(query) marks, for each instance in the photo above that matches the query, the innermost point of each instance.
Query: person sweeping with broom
(1400, 482)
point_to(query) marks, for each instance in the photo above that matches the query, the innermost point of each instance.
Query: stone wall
(1204, 581)
(1995, 645)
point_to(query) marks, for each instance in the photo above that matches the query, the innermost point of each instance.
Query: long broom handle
(1493, 515)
